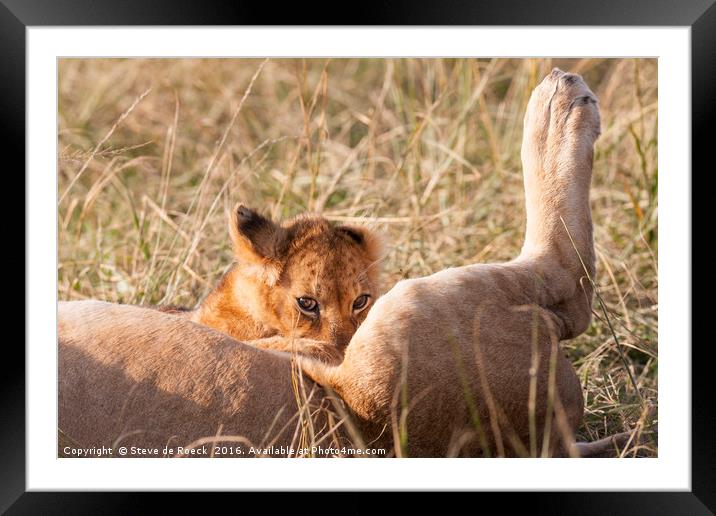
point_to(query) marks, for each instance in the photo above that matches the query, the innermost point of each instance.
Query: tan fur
(277, 264)
(463, 362)
(132, 376)
(470, 348)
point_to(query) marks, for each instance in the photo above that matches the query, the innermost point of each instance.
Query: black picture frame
(699, 15)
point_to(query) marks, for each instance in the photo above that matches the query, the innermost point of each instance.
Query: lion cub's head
(318, 280)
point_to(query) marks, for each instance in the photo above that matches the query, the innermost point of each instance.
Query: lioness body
(131, 376)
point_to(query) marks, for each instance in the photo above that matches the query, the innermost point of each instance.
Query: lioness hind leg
(560, 128)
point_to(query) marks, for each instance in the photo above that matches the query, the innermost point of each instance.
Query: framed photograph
(451, 239)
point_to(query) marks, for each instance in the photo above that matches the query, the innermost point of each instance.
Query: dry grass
(153, 153)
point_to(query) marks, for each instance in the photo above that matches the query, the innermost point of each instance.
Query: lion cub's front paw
(323, 351)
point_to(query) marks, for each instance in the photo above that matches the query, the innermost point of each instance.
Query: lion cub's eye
(307, 304)
(361, 302)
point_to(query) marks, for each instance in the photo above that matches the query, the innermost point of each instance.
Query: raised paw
(562, 116)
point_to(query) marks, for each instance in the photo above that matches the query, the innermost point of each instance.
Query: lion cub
(304, 279)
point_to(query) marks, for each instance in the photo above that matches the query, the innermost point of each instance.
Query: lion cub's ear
(372, 243)
(256, 242)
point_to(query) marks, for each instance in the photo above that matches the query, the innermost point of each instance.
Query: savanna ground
(154, 153)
